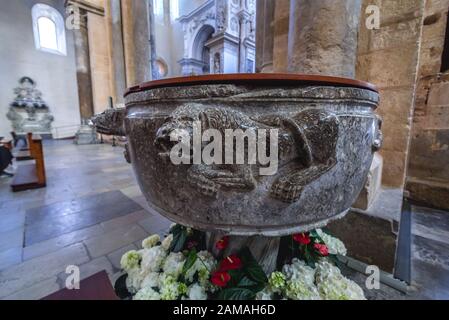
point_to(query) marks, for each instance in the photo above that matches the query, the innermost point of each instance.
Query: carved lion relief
(307, 139)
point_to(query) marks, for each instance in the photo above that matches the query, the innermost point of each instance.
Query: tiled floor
(92, 211)
(430, 253)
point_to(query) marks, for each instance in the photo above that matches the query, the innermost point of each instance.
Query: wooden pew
(31, 176)
(25, 154)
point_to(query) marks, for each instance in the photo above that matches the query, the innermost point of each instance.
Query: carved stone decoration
(327, 133)
(221, 16)
(234, 25)
(218, 26)
(217, 63)
(28, 112)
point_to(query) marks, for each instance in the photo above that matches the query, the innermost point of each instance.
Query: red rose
(230, 263)
(223, 243)
(220, 278)
(322, 249)
(302, 238)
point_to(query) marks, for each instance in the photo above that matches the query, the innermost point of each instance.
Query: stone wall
(55, 75)
(428, 168)
(118, 48)
(264, 35)
(100, 61)
(388, 57)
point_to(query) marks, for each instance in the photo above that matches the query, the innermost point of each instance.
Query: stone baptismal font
(326, 130)
(254, 165)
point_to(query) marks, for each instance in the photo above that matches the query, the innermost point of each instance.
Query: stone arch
(199, 50)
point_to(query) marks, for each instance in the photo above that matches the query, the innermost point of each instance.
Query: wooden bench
(25, 153)
(31, 176)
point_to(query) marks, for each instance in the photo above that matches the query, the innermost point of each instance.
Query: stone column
(128, 42)
(280, 38)
(323, 37)
(136, 41)
(264, 35)
(152, 40)
(83, 72)
(118, 55)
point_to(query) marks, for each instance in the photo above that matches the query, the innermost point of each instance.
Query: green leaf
(190, 261)
(246, 282)
(236, 294)
(256, 273)
(120, 288)
(236, 276)
(314, 234)
(252, 267)
(175, 228)
(179, 239)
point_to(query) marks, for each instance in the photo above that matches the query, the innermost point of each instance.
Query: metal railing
(65, 131)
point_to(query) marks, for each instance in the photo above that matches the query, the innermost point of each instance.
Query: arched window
(174, 9)
(158, 8)
(49, 29)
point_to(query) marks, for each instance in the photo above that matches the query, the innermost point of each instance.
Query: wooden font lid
(261, 79)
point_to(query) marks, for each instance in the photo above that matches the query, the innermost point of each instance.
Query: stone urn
(326, 134)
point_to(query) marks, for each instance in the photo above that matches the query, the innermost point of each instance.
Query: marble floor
(92, 211)
(430, 253)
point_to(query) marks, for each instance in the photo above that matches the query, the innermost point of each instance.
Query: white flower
(151, 280)
(203, 265)
(169, 287)
(173, 264)
(167, 242)
(265, 294)
(335, 246)
(297, 289)
(147, 293)
(340, 288)
(130, 260)
(332, 285)
(196, 292)
(299, 270)
(276, 281)
(325, 269)
(151, 241)
(297, 283)
(152, 259)
(134, 280)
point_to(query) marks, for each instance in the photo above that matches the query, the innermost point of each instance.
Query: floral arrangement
(179, 268)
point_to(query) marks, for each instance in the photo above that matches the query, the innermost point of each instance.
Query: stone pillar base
(372, 186)
(85, 135)
(430, 193)
(371, 236)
